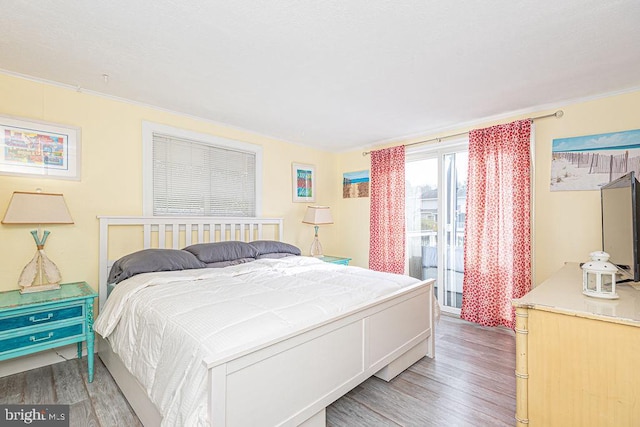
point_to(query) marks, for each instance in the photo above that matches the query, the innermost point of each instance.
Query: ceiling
(333, 74)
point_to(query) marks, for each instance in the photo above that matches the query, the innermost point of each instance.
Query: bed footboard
(291, 381)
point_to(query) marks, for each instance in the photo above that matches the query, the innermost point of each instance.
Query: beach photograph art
(591, 161)
(355, 184)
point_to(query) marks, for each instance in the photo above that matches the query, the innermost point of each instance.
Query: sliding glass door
(436, 180)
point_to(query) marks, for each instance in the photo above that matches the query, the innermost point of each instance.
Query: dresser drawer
(41, 317)
(47, 336)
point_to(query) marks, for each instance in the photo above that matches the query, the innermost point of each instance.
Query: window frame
(148, 130)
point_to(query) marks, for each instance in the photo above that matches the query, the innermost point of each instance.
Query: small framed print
(304, 182)
(35, 148)
(355, 184)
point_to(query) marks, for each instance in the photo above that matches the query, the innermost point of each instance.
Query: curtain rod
(557, 114)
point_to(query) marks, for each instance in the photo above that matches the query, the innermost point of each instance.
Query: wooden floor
(470, 383)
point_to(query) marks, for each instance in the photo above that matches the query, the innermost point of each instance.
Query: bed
(289, 375)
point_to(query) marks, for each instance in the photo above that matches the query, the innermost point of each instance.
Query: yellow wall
(111, 182)
(566, 223)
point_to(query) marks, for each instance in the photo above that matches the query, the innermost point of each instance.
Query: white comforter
(163, 325)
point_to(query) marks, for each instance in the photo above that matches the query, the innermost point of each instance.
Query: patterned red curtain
(497, 255)
(387, 225)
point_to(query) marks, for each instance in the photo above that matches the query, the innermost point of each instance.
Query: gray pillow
(150, 260)
(274, 249)
(222, 251)
(275, 255)
(221, 264)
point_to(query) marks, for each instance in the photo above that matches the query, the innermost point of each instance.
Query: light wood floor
(470, 383)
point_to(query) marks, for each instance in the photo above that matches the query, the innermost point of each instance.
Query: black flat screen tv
(620, 227)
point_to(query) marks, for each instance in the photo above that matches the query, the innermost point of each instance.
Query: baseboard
(37, 360)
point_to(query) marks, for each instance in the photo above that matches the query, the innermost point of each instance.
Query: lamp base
(40, 274)
(316, 248)
(40, 288)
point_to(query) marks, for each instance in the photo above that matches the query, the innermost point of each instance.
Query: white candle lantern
(599, 276)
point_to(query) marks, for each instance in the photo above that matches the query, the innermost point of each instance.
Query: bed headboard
(176, 233)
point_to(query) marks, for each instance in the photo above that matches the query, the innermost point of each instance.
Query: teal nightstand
(335, 259)
(38, 321)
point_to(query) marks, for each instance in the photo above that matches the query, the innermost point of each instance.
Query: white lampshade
(318, 215)
(37, 208)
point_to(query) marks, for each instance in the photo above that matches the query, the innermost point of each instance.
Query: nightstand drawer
(47, 337)
(41, 317)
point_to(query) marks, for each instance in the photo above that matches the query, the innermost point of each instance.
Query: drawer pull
(34, 320)
(32, 338)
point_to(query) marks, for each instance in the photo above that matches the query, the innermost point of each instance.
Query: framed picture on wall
(590, 161)
(35, 148)
(355, 184)
(303, 179)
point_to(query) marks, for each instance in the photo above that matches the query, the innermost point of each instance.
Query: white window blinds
(200, 179)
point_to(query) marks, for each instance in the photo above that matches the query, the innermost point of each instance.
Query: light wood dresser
(577, 357)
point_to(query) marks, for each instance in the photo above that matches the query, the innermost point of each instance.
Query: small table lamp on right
(317, 215)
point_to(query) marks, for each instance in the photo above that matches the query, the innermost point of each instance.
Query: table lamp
(41, 274)
(317, 215)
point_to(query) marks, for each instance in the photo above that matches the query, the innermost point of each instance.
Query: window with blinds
(203, 178)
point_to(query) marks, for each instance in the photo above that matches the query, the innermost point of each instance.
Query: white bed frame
(292, 380)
